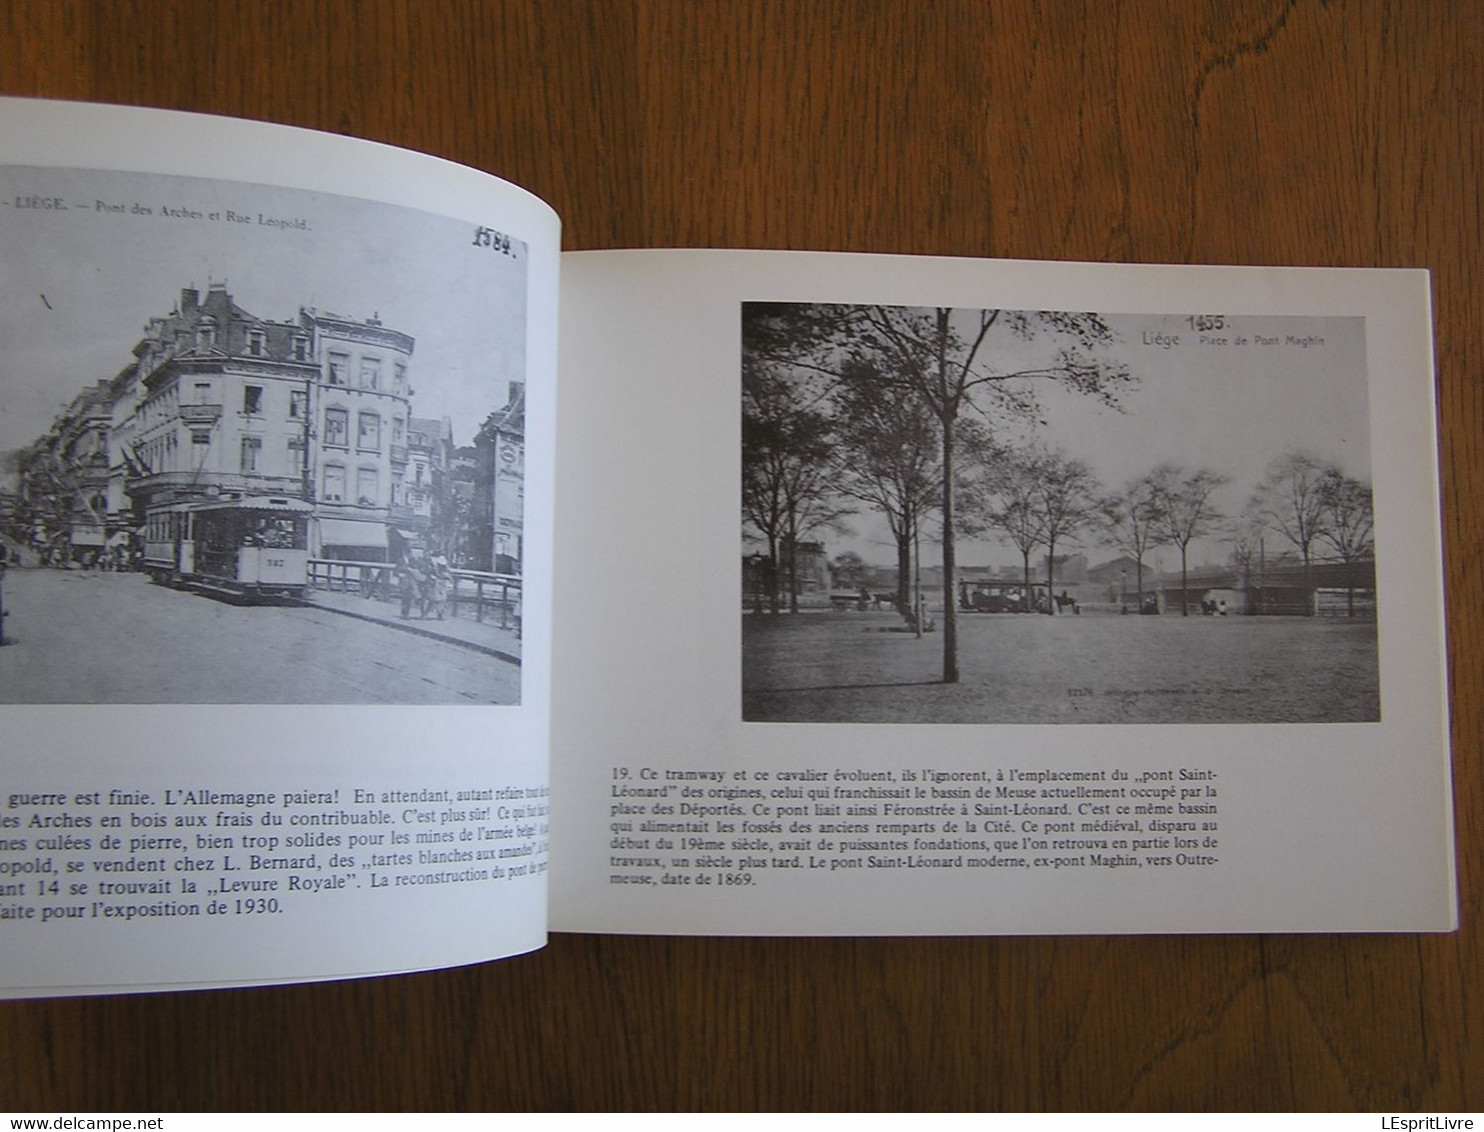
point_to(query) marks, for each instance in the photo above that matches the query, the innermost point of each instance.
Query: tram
(252, 548)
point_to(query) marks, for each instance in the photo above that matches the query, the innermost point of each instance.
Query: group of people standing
(64, 556)
(428, 582)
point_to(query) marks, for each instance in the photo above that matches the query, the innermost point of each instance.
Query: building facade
(360, 407)
(219, 403)
(497, 521)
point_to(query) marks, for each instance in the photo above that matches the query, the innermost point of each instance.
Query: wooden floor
(1264, 131)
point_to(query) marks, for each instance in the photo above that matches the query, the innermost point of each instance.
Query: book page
(275, 485)
(1168, 657)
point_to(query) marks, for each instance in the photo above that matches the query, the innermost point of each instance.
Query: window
(301, 348)
(366, 484)
(398, 430)
(206, 333)
(298, 405)
(252, 447)
(339, 369)
(296, 454)
(334, 483)
(252, 399)
(337, 428)
(203, 392)
(368, 436)
(370, 373)
(257, 343)
(399, 377)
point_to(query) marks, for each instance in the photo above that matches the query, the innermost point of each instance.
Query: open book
(385, 588)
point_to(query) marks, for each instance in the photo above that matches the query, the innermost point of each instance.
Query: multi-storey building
(361, 407)
(82, 449)
(63, 479)
(219, 403)
(418, 505)
(497, 522)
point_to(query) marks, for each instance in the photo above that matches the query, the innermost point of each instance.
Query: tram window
(274, 532)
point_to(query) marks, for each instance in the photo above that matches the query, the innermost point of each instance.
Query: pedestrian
(441, 581)
(423, 576)
(406, 586)
(373, 582)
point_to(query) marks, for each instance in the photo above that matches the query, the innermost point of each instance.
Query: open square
(860, 667)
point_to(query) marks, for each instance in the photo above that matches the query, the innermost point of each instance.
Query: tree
(787, 453)
(1130, 522)
(1002, 494)
(938, 353)
(1290, 501)
(887, 457)
(849, 570)
(1244, 533)
(1347, 523)
(1185, 512)
(1065, 501)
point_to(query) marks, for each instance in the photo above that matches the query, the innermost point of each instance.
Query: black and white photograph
(257, 445)
(955, 515)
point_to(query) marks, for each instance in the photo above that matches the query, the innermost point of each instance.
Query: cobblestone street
(84, 637)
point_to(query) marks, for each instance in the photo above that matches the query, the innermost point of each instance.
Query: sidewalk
(461, 629)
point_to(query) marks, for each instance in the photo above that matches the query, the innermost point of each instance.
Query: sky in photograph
(1229, 400)
(78, 283)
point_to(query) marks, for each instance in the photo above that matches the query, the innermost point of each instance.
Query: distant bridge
(1286, 574)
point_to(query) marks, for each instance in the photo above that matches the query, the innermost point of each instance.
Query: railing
(500, 592)
(490, 595)
(342, 577)
(200, 414)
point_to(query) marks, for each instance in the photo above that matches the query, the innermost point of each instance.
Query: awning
(351, 532)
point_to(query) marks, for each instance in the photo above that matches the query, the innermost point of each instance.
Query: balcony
(409, 516)
(198, 415)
